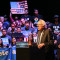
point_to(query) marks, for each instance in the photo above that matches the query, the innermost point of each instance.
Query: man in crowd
(56, 25)
(22, 22)
(6, 38)
(27, 27)
(12, 29)
(36, 17)
(26, 16)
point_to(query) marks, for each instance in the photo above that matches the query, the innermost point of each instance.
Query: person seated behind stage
(6, 38)
(27, 27)
(11, 29)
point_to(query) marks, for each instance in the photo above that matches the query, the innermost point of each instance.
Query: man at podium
(44, 42)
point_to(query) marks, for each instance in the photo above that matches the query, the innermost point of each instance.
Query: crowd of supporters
(27, 27)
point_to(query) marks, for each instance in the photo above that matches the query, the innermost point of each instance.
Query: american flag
(20, 7)
(22, 4)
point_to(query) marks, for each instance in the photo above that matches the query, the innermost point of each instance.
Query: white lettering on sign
(14, 51)
(4, 53)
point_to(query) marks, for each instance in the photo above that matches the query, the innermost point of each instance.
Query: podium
(22, 54)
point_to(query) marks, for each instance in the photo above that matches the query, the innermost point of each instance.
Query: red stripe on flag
(13, 11)
(26, 39)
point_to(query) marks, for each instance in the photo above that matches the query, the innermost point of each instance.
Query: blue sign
(5, 40)
(8, 53)
(13, 53)
(22, 45)
(26, 33)
(5, 54)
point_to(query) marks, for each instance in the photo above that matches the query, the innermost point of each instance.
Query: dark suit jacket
(47, 39)
(46, 52)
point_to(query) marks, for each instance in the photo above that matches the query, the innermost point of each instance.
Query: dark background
(46, 7)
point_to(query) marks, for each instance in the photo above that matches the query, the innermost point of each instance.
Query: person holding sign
(11, 18)
(45, 42)
(6, 39)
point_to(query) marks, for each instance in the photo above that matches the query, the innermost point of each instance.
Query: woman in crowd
(13, 42)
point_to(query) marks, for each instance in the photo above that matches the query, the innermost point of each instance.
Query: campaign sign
(26, 33)
(25, 39)
(22, 45)
(36, 29)
(8, 53)
(5, 54)
(56, 29)
(35, 39)
(18, 7)
(18, 36)
(13, 53)
(0, 33)
(5, 40)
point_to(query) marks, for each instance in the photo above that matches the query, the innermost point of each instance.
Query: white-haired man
(44, 41)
